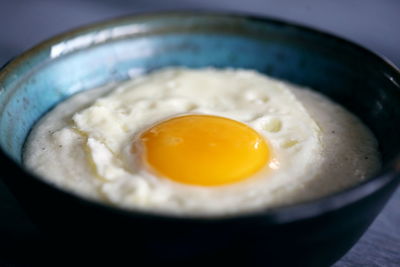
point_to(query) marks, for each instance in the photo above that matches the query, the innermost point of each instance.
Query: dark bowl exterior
(309, 234)
(80, 231)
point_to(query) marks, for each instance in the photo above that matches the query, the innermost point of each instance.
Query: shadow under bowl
(308, 234)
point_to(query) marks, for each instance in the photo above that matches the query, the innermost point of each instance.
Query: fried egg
(206, 142)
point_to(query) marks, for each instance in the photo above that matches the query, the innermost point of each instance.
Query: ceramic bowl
(315, 233)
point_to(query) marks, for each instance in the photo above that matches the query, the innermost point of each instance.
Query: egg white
(96, 140)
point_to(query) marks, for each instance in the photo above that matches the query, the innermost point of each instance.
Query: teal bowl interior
(117, 50)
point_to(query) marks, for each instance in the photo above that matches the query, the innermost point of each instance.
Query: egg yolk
(203, 150)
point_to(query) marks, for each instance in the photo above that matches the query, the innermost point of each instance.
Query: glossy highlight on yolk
(203, 150)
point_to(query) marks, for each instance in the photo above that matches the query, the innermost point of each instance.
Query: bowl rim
(276, 215)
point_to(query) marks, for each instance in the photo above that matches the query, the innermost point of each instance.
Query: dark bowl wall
(352, 76)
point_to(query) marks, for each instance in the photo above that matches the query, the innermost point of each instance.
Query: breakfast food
(201, 142)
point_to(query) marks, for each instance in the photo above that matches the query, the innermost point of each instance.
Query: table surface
(371, 23)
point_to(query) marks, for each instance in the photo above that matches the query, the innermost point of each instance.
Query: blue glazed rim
(279, 215)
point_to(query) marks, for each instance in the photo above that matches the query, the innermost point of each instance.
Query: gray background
(374, 24)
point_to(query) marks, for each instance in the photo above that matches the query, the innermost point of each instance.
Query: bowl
(315, 233)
